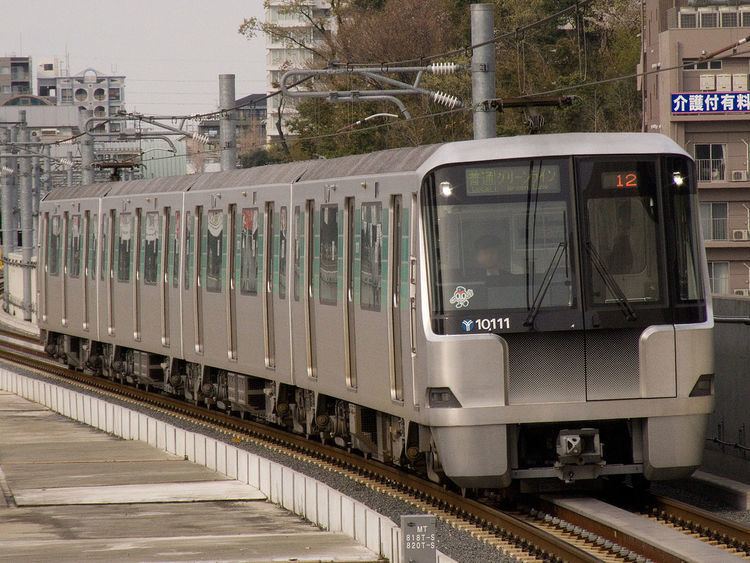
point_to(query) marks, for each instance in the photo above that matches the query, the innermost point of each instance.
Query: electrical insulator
(446, 99)
(203, 139)
(443, 68)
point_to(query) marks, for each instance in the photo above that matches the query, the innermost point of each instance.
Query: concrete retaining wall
(295, 491)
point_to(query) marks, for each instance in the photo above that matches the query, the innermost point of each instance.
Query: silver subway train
(492, 311)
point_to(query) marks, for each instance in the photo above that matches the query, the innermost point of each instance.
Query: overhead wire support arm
(294, 77)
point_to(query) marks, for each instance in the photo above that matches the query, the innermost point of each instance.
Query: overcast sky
(171, 51)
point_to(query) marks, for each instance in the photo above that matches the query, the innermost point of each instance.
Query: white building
(284, 54)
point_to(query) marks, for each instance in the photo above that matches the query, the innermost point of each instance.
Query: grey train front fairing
(498, 310)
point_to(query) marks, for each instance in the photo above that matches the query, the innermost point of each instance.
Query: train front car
(566, 314)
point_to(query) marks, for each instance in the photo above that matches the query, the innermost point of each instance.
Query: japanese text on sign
(710, 102)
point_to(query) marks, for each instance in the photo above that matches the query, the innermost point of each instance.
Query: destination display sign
(512, 180)
(710, 102)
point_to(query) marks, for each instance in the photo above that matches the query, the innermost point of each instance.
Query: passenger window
(329, 264)
(371, 245)
(249, 252)
(299, 227)
(105, 246)
(93, 225)
(188, 249)
(176, 251)
(214, 250)
(283, 221)
(124, 247)
(54, 247)
(151, 254)
(74, 248)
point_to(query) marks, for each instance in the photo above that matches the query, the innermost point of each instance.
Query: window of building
(710, 161)
(214, 250)
(48, 66)
(249, 252)
(693, 64)
(151, 254)
(115, 127)
(99, 94)
(329, 246)
(81, 95)
(714, 220)
(729, 19)
(99, 111)
(718, 277)
(114, 94)
(709, 19)
(745, 19)
(4, 70)
(371, 256)
(5, 89)
(688, 20)
(124, 246)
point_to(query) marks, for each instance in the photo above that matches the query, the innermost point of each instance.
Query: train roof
(418, 159)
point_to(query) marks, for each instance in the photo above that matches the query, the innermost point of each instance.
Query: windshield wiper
(546, 282)
(611, 284)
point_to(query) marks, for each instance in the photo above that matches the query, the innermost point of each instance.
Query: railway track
(521, 536)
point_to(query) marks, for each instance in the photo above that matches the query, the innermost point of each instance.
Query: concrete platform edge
(734, 493)
(296, 492)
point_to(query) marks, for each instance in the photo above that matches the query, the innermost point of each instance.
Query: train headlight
(446, 189)
(704, 386)
(678, 179)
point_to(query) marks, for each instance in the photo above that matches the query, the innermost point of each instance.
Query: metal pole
(6, 185)
(86, 143)
(36, 188)
(483, 70)
(27, 224)
(70, 169)
(227, 130)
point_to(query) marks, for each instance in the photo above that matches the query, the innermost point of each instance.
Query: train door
(278, 296)
(301, 290)
(64, 261)
(163, 275)
(42, 273)
(87, 229)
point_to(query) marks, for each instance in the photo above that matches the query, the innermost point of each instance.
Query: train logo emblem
(461, 297)
(467, 325)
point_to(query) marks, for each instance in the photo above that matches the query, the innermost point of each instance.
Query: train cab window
(622, 246)
(371, 244)
(74, 247)
(214, 250)
(249, 252)
(329, 247)
(283, 230)
(124, 246)
(151, 253)
(93, 225)
(175, 244)
(54, 246)
(188, 249)
(299, 229)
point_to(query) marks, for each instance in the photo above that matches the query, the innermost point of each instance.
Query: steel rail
(536, 543)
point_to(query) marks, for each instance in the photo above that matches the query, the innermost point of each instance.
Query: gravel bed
(455, 543)
(699, 494)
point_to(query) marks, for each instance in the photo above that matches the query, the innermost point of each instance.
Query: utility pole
(27, 224)
(36, 187)
(227, 129)
(483, 70)
(6, 187)
(86, 143)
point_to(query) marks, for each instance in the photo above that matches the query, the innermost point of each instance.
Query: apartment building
(89, 89)
(15, 77)
(705, 107)
(283, 53)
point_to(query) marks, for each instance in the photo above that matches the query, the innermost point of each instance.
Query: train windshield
(500, 241)
(562, 244)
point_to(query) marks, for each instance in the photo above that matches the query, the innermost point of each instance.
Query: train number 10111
(496, 323)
